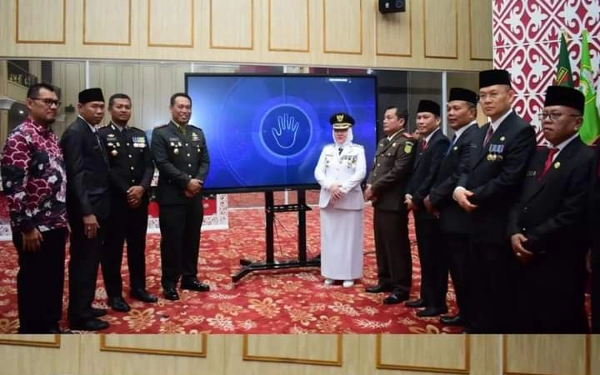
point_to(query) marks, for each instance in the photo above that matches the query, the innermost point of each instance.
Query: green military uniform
(180, 154)
(388, 179)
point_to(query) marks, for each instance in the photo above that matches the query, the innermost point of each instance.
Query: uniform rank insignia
(408, 147)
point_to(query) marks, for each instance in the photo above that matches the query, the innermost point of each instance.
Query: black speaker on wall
(392, 6)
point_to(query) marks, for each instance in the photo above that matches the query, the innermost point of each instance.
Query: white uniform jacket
(347, 169)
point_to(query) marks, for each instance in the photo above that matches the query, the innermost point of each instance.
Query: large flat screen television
(266, 132)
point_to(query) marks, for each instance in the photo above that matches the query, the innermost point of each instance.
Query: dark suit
(495, 177)
(551, 213)
(594, 219)
(130, 165)
(388, 178)
(434, 268)
(87, 193)
(179, 158)
(453, 220)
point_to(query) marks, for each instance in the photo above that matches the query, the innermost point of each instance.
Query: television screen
(266, 132)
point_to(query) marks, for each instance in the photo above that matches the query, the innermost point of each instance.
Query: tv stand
(270, 264)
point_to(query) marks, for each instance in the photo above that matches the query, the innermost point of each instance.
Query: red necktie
(548, 162)
(424, 145)
(488, 136)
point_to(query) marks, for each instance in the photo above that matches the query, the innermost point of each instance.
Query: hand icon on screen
(286, 131)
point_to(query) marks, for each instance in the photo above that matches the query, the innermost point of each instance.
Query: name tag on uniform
(139, 142)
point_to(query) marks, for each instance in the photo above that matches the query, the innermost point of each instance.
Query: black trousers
(83, 269)
(392, 249)
(434, 265)
(40, 282)
(551, 293)
(492, 287)
(595, 298)
(180, 241)
(456, 246)
(125, 224)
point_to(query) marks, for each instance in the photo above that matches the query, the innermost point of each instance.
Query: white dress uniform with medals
(342, 220)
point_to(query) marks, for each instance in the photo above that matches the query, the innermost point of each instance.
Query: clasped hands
(461, 196)
(336, 192)
(193, 188)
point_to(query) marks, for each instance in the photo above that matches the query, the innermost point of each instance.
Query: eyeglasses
(554, 116)
(48, 102)
(491, 96)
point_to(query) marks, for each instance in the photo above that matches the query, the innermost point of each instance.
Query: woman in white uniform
(340, 170)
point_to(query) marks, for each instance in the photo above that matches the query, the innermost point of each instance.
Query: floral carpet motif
(268, 302)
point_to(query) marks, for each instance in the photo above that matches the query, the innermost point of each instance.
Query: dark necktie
(488, 136)
(340, 151)
(424, 147)
(451, 144)
(548, 162)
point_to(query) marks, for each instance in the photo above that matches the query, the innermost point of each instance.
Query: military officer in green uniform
(386, 186)
(181, 156)
(130, 174)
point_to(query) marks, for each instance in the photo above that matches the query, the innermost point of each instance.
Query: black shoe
(97, 313)
(118, 304)
(395, 298)
(171, 294)
(195, 285)
(89, 325)
(452, 320)
(416, 303)
(143, 295)
(379, 289)
(432, 311)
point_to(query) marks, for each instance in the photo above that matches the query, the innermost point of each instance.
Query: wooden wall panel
(171, 23)
(429, 353)
(440, 21)
(430, 35)
(232, 29)
(323, 350)
(547, 355)
(342, 26)
(393, 33)
(41, 24)
(289, 22)
(40, 354)
(480, 37)
(101, 30)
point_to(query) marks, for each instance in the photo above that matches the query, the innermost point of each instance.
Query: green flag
(564, 75)
(590, 130)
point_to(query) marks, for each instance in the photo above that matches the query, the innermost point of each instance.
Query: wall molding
(104, 347)
(410, 35)
(33, 343)
(271, 48)
(259, 358)
(86, 42)
(149, 22)
(18, 39)
(455, 57)
(226, 47)
(588, 359)
(465, 369)
(360, 22)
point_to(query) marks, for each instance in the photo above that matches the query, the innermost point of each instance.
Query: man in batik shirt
(34, 181)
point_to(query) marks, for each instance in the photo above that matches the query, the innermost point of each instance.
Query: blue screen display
(267, 132)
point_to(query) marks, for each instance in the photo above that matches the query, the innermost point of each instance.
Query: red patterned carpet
(285, 301)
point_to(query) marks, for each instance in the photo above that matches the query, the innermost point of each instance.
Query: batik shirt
(34, 178)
